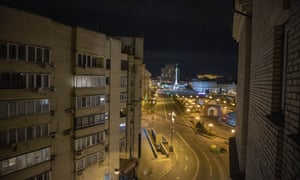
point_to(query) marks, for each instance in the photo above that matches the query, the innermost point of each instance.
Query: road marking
(186, 166)
(210, 170)
(186, 158)
(195, 155)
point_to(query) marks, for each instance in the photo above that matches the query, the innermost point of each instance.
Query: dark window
(12, 51)
(107, 80)
(38, 80)
(39, 54)
(83, 60)
(30, 81)
(21, 134)
(31, 54)
(3, 138)
(12, 136)
(22, 52)
(5, 82)
(3, 51)
(38, 132)
(107, 63)
(18, 81)
(30, 132)
(79, 60)
(46, 80)
(46, 55)
(124, 65)
(89, 62)
(94, 62)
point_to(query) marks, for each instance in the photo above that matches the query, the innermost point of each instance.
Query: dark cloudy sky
(196, 34)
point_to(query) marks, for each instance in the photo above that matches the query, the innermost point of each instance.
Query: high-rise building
(266, 144)
(70, 100)
(168, 73)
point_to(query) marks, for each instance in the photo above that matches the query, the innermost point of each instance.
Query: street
(193, 157)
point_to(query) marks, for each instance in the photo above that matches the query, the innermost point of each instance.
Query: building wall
(24, 28)
(272, 129)
(291, 148)
(81, 101)
(244, 57)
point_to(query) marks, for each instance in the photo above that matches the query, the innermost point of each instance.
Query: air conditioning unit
(68, 132)
(14, 146)
(53, 89)
(52, 112)
(52, 157)
(54, 134)
(78, 153)
(39, 89)
(70, 110)
(80, 172)
(53, 66)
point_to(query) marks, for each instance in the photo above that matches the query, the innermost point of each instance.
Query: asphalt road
(195, 160)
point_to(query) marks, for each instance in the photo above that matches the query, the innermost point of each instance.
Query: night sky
(195, 34)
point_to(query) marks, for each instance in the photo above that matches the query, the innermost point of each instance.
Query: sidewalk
(151, 168)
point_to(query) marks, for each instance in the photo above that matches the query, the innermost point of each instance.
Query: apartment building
(266, 145)
(70, 100)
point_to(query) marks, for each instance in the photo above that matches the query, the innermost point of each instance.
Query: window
(22, 52)
(43, 176)
(89, 61)
(31, 54)
(25, 160)
(12, 51)
(90, 81)
(107, 63)
(90, 101)
(39, 55)
(30, 133)
(22, 108)
(90, 120)
(46, 55)
(123, 145)
(123, 96)
(124, 65)
(12, 109)
(123, 82)
(89, 160)
(23, 80)
(123, 112)
(3, 50)
(23, 134)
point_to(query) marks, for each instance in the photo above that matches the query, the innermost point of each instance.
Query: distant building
(266, 144)
(70, 100)
(213, 84)
(168, 74)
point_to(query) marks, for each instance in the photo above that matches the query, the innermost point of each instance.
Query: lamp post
(210, 125)
(172, 130)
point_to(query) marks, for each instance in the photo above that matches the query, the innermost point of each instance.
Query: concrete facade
(268, 124)
(70, 100)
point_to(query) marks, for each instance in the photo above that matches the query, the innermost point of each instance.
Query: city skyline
(196, 35)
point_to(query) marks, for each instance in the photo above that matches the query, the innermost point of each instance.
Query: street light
(210, 125)
(172, 130)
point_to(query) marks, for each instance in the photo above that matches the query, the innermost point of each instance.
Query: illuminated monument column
(176, 78)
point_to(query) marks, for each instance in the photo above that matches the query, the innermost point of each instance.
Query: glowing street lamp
(172, 130)
(210, 125)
